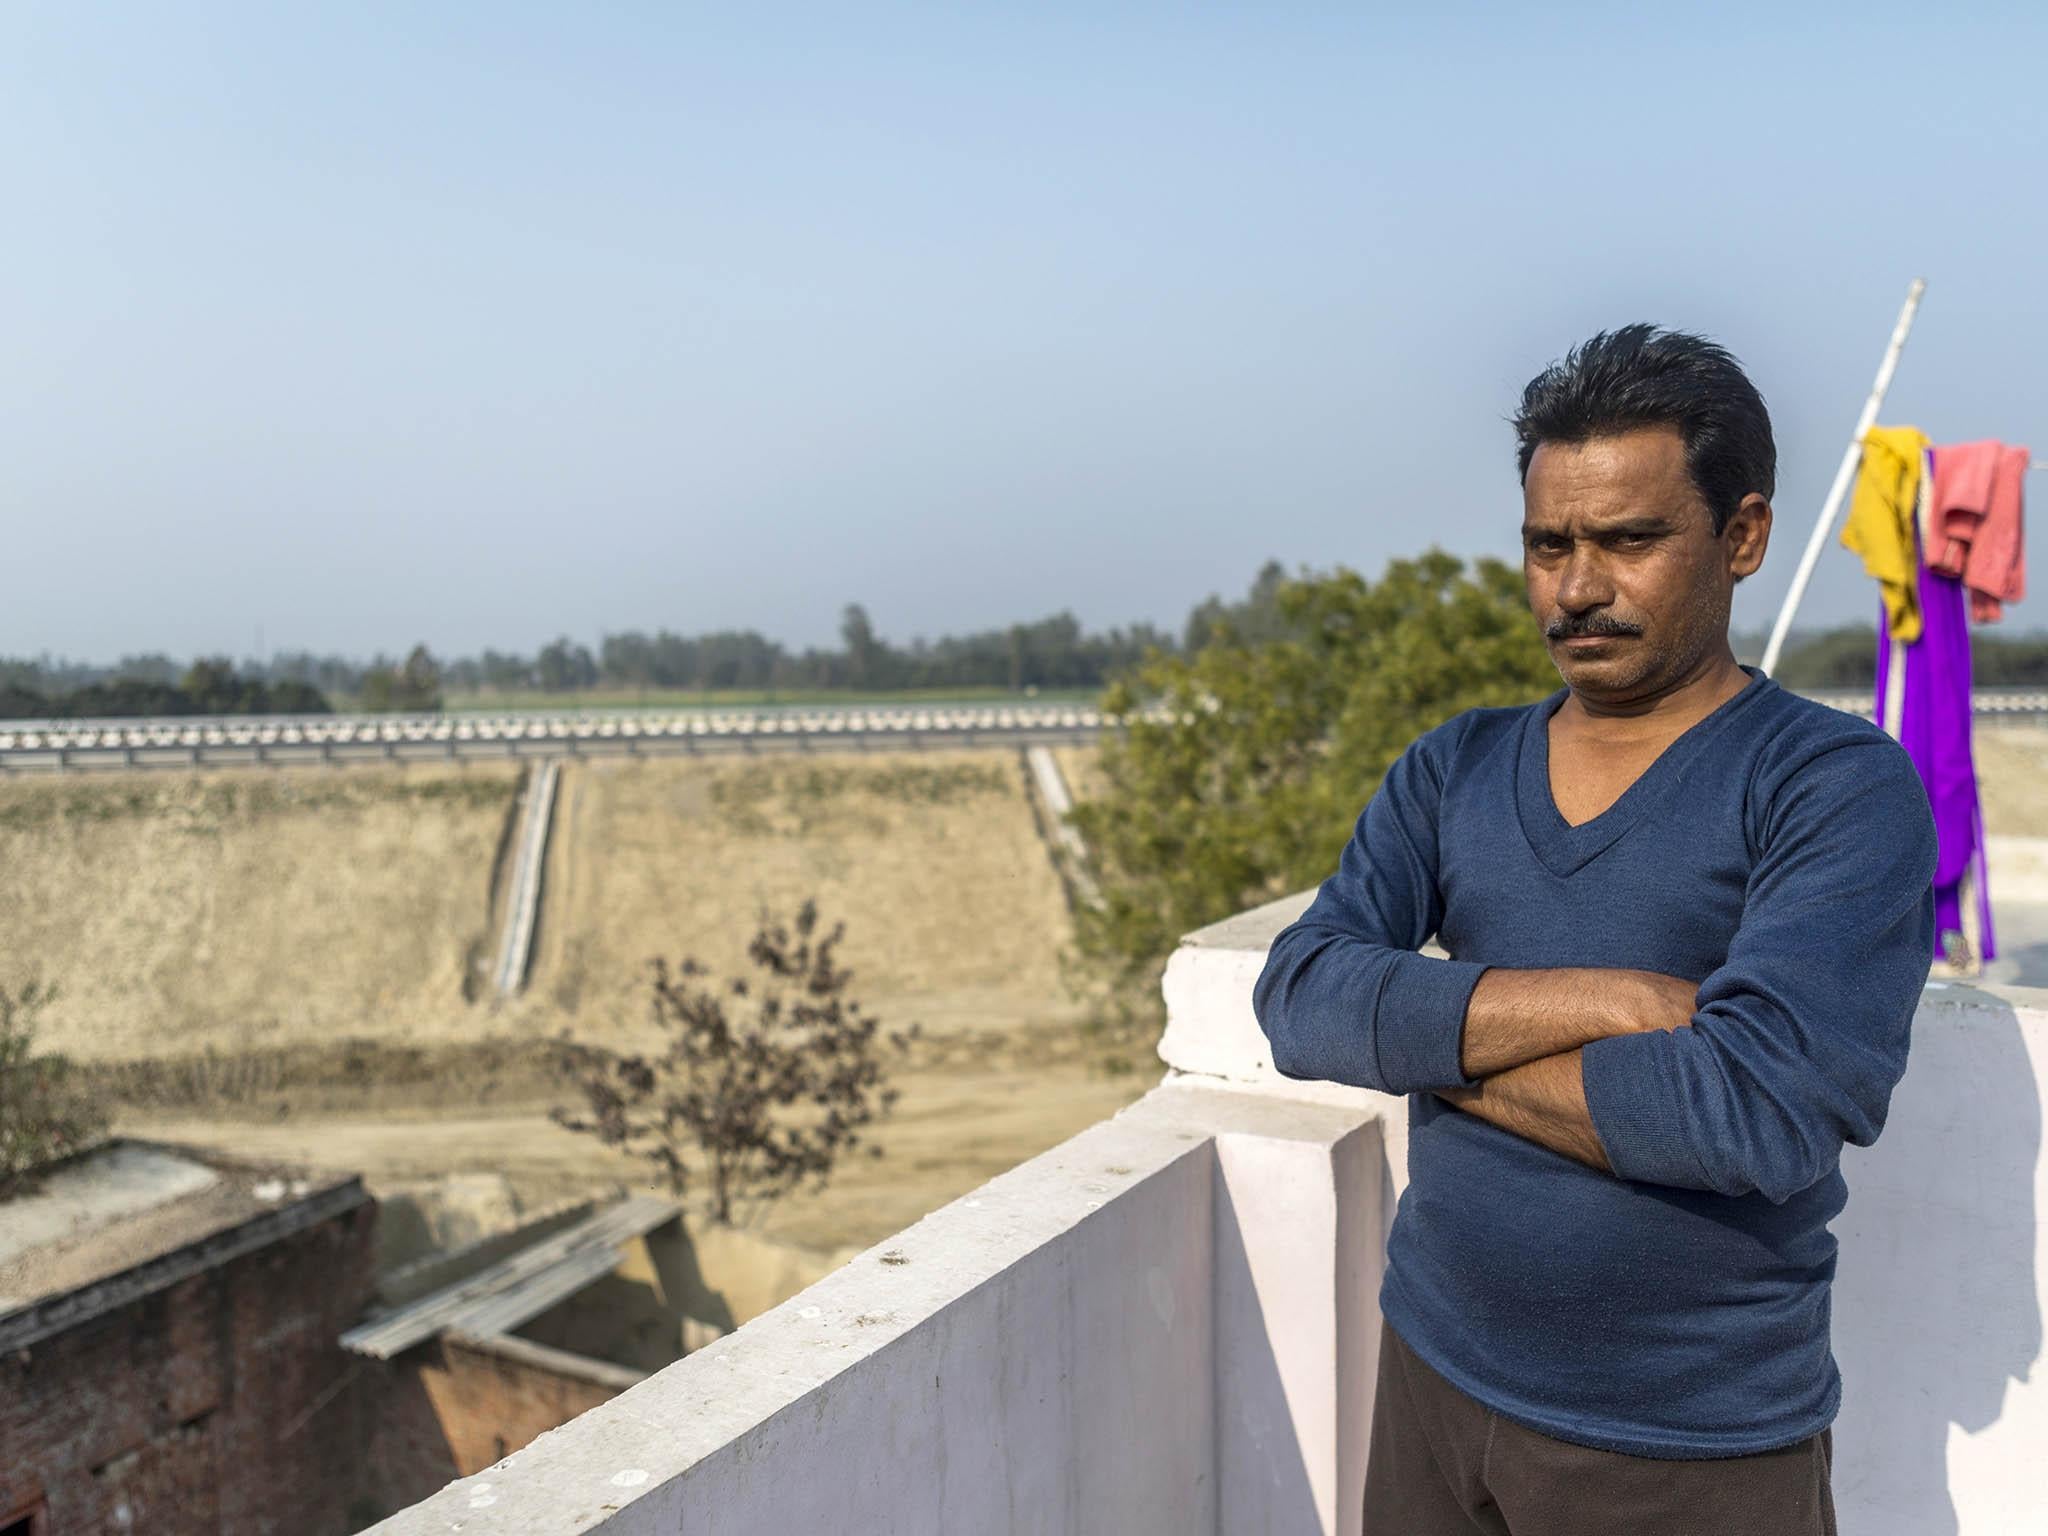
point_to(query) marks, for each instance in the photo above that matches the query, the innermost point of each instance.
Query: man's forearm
(1518, 1017)
(1541, 1101)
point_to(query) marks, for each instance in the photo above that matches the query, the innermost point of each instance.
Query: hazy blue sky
(368, 323)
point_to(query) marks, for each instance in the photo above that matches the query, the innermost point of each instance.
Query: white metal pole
(1832, 507)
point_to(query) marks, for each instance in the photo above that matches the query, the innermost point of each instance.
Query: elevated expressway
(231, 741)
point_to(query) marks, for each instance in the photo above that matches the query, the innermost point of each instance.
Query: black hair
(1641, 376)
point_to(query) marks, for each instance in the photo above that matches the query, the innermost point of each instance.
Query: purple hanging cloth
(1931, 719)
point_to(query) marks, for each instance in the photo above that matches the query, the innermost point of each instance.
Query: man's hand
(1543, 1102)
(1518, 1017)
(1523, 1031)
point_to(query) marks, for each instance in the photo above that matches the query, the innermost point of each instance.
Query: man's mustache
(1568, 626)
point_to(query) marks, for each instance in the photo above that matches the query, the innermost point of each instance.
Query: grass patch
(792, 801)
(376, 1077)
(275, 1081)
(207, 802)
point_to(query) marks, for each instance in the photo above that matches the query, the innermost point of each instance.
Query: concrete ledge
(956, 1377)
(1210, 1028)
(1211, 1032)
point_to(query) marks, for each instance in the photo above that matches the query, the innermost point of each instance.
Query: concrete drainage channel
(529, 865)
(1071, 851)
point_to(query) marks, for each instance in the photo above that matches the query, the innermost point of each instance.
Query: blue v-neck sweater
(1780, 853)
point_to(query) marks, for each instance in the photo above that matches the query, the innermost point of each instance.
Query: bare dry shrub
(44, 1112)
(769, 1083)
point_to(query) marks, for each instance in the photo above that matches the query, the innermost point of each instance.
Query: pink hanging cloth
(1977, 523)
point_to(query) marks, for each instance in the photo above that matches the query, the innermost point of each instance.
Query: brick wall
(224, 1405)
(220, 1406)
(453, 1406)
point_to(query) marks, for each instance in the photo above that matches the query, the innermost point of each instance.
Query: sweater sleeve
(1801, 1035)
(1343, 996)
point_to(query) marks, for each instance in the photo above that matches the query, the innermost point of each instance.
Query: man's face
(1626, 577)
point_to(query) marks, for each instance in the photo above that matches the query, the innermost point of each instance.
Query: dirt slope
(954, 915)
(248, 907)
(254, 909)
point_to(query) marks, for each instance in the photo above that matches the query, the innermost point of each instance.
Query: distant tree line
(1054, 652)
(1846, 657)
(1049, 653)
(210, 686)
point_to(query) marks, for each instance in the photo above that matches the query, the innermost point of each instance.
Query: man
(1690, 916)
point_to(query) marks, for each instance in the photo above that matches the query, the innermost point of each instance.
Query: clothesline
(1923, 660)
(1940, 529)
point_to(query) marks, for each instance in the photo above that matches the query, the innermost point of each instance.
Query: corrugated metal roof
(518, 1288)
(531, 1297)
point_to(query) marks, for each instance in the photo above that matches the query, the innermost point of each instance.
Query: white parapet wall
(1942, 1281)
(1168, 1324)
(1149, 1329)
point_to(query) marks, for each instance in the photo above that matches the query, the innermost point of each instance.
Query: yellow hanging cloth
(1880, 526)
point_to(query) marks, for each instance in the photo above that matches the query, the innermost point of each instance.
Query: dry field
(316, 935)
(249, 908)
(954, 915)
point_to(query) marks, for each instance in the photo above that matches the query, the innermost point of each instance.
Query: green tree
(1257, 618)
(44, 1114)
(563, 665)
(420, 680)
(867, 656)
(1844, 657)
(214, 689)
(626, 659)
(2005, 661)
(292, 697)
(1239, 770)
(413, 688)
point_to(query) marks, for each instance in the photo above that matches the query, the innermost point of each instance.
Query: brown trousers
(1443, 1465)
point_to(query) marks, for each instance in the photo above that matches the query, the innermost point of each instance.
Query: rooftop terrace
(1168, 1323)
